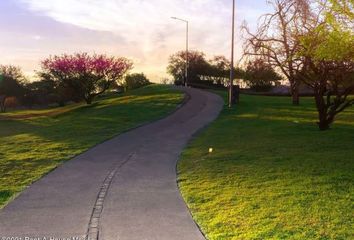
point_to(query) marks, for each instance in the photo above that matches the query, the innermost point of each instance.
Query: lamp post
(232, 74)
(187, 51)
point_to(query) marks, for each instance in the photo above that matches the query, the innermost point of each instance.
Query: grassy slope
(31, 147)
(272, 175)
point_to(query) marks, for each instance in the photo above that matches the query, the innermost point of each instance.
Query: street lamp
(232, 74)
(187, 57)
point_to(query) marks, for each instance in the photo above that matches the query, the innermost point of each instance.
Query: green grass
(273, 174)
(32, 146)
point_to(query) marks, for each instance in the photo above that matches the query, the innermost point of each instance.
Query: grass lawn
(35, 142)
(273, 174)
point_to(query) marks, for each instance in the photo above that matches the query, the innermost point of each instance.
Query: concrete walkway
(122, 189)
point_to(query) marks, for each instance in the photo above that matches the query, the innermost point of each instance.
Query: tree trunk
(324, 123)
(2, 107)
(295, 93)
(89, 99)
(322, 108)
(3, 103)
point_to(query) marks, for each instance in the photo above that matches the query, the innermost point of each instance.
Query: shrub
(11, 84)
(136, 80)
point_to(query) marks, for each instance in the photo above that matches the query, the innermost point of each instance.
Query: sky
(141, 30)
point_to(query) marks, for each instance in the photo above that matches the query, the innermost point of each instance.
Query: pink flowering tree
(87, 76)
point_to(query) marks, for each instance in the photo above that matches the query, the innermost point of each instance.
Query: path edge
(185, 100)
(191, 139)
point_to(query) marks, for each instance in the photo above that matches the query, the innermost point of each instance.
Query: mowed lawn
(273, 174)
(32, 143)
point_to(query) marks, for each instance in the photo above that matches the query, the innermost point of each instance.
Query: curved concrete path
(122, 189)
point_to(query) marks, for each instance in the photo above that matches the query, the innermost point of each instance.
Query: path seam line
(93, 229)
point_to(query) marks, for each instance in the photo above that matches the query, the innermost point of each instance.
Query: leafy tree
(219, 70)
(58, 91)
(328, 52)
(311, 41)
(46, 91)
(197, 65)
(166, 81)
(215, 70)
(37, 92)
(88, 76)
(277, 38)
(11, 84)
(136, 80)
(260, 76)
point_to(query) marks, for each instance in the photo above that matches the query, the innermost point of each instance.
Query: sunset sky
(141, 30)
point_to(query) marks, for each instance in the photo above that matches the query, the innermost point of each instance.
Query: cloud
(148, 33)
(37, 37)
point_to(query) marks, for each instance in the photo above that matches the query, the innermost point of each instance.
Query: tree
(277, 38)
(37, 92)
(11, 84)
(136, 80)
(260, 76)
(218, 71)
(328, 52)
(215, 70)
(47, 91)
(88, 76)
(166, 81)
(197, 65)
(57, 91)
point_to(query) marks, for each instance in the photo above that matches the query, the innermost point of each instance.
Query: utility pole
(232, 74)
(187, 48)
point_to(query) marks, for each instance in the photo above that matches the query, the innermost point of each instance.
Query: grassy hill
(273, 174)
(34, 142)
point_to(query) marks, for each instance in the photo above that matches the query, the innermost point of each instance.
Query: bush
(178, 82)
(12, 102)
(11, 84)
(136, 80)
